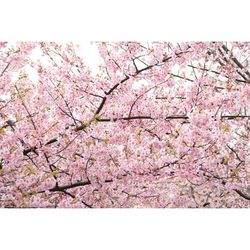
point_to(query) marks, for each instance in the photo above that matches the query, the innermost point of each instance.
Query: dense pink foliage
(160, 125)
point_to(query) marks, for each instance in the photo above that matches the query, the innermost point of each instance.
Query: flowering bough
(158, 125)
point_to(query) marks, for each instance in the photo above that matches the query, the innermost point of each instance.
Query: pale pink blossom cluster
(159, 125)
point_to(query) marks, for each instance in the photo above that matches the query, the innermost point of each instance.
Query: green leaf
(1, 131)
(30, 170)
(32, 192)
(55, 173)
(85, 124)
(97, 117)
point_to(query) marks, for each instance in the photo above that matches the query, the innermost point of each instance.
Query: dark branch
(51, 141)
(231, 117)
(5, 69)
(101, 106)
(73, 185)
(116, 85)
(126, 118)
(174, 117)
(73, 196)
(242, 194)
(236, 61)
(177, 117)
(127, 77)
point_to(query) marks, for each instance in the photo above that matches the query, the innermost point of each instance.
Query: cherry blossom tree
(158, 125)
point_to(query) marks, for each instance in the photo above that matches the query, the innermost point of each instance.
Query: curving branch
(242, 194)
(166, 59)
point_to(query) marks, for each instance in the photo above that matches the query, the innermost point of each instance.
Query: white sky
(88, 51)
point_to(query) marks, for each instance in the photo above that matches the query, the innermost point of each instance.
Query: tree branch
(73, 185)
(242, 194)
(5, 69)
